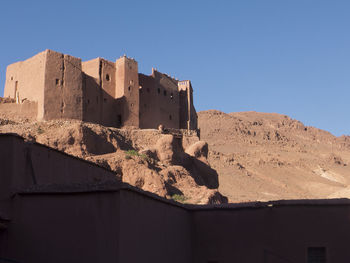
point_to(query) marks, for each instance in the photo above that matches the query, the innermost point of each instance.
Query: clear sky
(286, 56)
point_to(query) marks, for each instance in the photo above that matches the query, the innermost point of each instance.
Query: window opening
(164, 92)
(119, 120)
(107, 77)
(129, 88)
(170, 117)
(158, 90)
(57, 82)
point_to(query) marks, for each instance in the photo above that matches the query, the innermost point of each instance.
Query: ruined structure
(99, 91)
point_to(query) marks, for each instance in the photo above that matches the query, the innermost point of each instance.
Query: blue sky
(286, 56)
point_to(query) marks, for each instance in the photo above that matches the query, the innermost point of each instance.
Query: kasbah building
(52, 209)
(114, 94)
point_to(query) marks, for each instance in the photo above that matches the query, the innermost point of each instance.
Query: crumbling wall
(27, 110)
(63, 87)
(25, 80)
(159, 101)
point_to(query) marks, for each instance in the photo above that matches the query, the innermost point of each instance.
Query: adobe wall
(63, 87)
(99, 92)
(119, 226)
(25, 111)
(188, 114)
(28, 77)
(153, 231)
(127, 92)
(159, 101)
(67, 228)
(35, 164)
(273, 235)
(92, 92)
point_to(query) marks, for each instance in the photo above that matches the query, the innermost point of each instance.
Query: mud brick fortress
(52, 85)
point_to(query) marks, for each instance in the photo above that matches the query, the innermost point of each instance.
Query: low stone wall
(26, 110)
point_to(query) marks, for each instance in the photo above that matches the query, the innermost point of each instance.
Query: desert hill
(263, 156)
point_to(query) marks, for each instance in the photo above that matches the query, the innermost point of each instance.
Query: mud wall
(35, 164)
(159, 232)
(159, 101)
(24, 111)
(273, 235)
(120, 226)
(64, 228)
(63, 87)
(25, 80)
(127, 92)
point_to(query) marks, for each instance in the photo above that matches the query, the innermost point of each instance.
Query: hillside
(263, 156)
(151, 160)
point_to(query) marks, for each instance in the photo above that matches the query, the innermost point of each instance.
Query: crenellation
(100, 91)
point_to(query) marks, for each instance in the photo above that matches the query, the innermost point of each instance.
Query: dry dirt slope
(262, 156)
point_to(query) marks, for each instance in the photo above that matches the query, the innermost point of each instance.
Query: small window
(164, 92)
(158, 90)
(129, 88)
(131, 82)
(57, 82)
(88, 101)
(316, 255)
(107, 77)
(170, 117)
(11, 78)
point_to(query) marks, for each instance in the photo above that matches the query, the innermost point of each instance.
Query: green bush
(179, 198)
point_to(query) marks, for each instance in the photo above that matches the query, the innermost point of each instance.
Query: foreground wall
(272, 235)
(110, 226)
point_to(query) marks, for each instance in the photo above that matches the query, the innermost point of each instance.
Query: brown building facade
(100, 91)
(57, 208)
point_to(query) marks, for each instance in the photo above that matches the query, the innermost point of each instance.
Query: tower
(127, 91)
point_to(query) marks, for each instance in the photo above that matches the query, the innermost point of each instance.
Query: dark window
(57, 81)
(119, 120)
(158, 90)
(107, 77)
(88, 101)
(11, 78)
(164, 92)
(316, 255)
(129, 88)
(170, 117)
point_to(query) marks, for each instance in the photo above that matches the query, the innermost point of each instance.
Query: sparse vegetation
(130, 153)
(179, 198)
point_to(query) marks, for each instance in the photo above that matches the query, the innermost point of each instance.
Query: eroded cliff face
(171, 166)
(269, 156)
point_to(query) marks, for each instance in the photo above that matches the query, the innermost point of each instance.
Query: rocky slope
(261, 156)
(149, 159)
